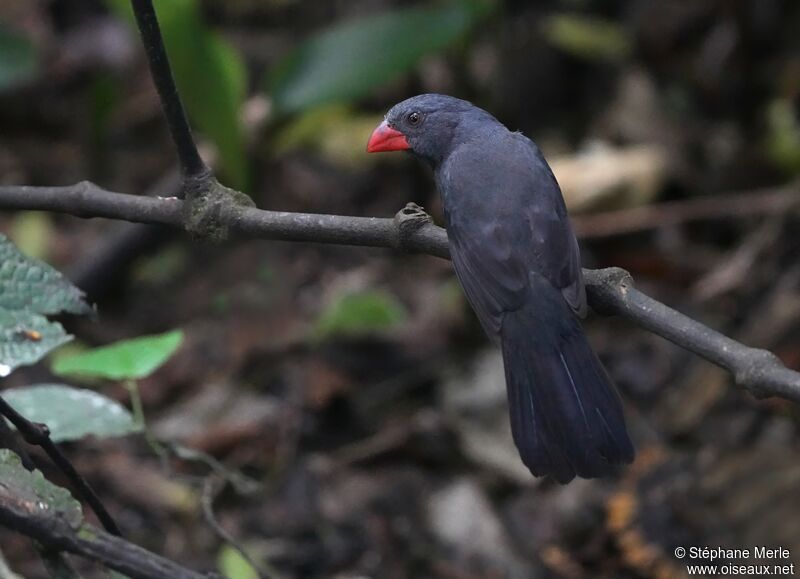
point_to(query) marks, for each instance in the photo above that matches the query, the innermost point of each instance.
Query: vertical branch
(192, 165)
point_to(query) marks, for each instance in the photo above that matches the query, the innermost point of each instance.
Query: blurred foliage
(124, 360)
(360, 313)
(104, 95)
(43, 498)
(71, 413)
(31, 232)
(18, 62)
(335, 131)
(783, 136)
(233, 566)
(29, 291)
(162, 267)
(587, 37)
(350, 59)
(211, 78)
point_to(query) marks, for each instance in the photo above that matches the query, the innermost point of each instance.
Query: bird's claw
(409, 219)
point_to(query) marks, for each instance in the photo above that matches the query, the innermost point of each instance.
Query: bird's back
(503, 206)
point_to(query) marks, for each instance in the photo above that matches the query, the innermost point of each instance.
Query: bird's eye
(414, 118)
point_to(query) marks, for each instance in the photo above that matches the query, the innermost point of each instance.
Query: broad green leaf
(233, 566)
(211, 78)
(18, 62)
(25, 338)
(31, 495)
(360, 313)
(350, 59)
(72, 413)
(30, 290)
(124, 360)
(587, 37)
(29, 284)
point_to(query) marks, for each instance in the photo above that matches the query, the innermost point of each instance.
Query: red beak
(385, 138)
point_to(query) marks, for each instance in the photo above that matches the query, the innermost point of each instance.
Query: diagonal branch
(53, 531)
(39, 435)
(610, 290)
(51, 558)
(192, 164)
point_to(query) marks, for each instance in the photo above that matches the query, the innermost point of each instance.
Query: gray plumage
(517, 259)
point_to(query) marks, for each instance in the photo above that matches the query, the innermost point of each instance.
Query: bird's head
(429, 125)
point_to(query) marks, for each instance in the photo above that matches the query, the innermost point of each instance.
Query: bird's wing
(506, 219)
(493, 281)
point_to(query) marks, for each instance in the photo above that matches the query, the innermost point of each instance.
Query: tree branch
(610, 290)
(39, 435)
(50, 559)
(54, 532)
(192, 164)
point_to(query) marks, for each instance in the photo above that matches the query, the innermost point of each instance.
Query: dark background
(382, 445)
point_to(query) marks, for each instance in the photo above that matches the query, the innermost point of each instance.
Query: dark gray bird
(518, 262)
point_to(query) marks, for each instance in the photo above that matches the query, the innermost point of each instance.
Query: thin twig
(624, 221)
(39, 435)
(10, 440)
(54, 561)
(609, 290)
(54, 532)
(192, 164)
(735, 267)
(101, 266)
(212, 486)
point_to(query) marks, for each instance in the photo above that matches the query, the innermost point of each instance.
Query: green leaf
(211, 78)
(783, 135)
(348, 60)
(18, 62)
(334, 131)
(231, 564)
(360, 313)
(31, 232)
(31, 495)
(29, 284)
(29, 290)
(124, 360)
(25, 338)
(72, 413)
(587, 37)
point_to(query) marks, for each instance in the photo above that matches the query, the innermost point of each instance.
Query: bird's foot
(409, 219)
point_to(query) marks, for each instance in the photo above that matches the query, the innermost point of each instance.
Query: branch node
(37, 435)
(752, 374)
(208, 207)
(409, 220)
(610, 285)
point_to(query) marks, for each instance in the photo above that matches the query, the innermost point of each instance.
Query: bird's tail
(566, 416)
